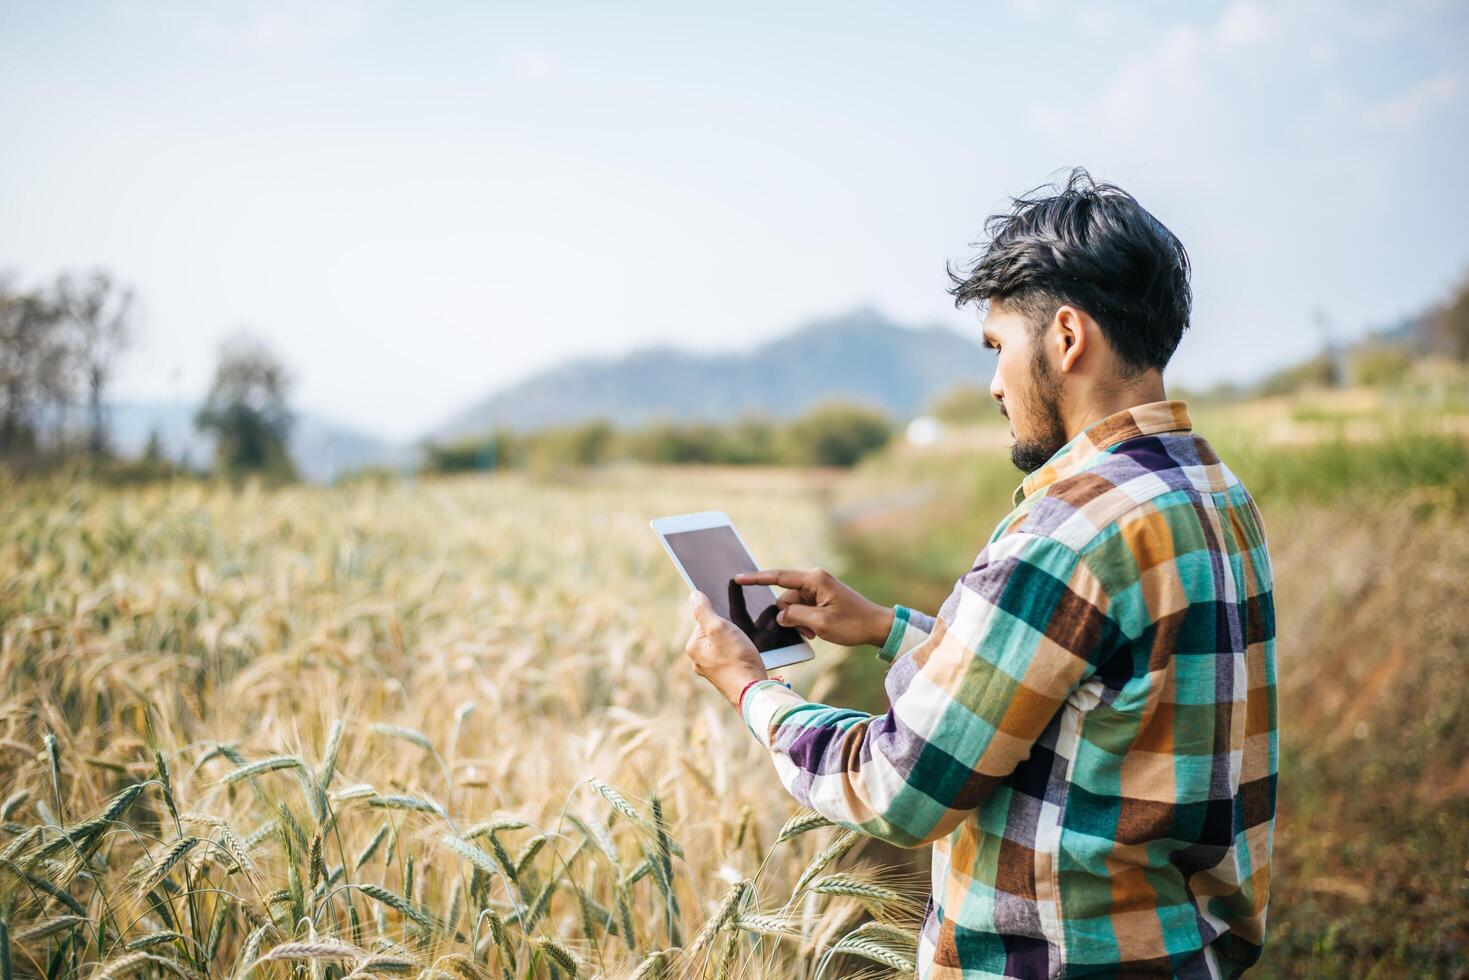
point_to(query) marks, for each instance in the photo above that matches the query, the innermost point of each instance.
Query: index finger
(786, 578)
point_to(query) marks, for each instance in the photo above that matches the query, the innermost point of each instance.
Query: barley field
(430, 729)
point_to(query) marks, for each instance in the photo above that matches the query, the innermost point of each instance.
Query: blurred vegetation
(1452, 323)
(830, 434)
(1378, 365)
(1321, 371)
(246, 411)
(965, 403)
(836, 435)
(59, 345)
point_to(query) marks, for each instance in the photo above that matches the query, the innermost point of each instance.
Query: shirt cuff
(910, 628)
(761, 703)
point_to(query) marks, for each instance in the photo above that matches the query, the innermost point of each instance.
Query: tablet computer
(709, 552)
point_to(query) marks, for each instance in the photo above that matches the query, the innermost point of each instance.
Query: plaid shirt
(1086, 732)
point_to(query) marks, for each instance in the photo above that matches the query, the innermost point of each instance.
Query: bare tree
(33, 368)
(98, 314)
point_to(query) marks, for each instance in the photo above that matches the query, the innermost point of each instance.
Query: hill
(861, 356)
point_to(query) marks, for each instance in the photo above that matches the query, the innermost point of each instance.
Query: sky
(416, 203)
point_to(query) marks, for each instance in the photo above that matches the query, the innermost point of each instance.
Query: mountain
(320, 448)
(861, 357)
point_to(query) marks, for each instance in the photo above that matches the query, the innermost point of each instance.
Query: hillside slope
(862, 356)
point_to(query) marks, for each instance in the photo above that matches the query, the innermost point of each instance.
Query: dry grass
(442, 729)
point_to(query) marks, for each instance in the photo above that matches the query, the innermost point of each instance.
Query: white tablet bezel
(779, 657)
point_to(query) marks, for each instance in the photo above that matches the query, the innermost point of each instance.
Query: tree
(33, 368)
(1453, 321)
(247, 412)
(837, 434)
(154, 453)
(98, 313)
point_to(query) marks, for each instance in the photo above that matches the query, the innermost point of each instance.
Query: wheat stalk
(803, 821)
(558, 954)
(875, 897)
(728, 907)
(316, 949)
(840, 845)
(165, 862)
(260, 767)
(49, 927)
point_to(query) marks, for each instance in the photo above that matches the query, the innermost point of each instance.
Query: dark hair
(1093, 246)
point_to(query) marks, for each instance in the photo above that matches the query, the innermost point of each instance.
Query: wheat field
(434, 729)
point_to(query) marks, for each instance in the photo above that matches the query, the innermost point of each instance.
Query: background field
(286, 672)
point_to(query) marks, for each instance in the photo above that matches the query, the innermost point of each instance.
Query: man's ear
(1071, 334)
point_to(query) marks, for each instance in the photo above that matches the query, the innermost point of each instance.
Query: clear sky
(416, 202)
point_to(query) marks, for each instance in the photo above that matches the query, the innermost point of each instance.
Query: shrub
(836, 434)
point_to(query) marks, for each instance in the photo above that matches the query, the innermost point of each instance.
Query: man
(1086, 731)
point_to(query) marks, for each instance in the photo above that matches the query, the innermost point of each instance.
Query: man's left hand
(722, 654)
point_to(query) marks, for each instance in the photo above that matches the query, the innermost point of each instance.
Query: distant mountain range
(861, 357)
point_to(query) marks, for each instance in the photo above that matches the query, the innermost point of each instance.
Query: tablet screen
(712, 556)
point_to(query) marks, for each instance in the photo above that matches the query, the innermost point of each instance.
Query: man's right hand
(817, 603)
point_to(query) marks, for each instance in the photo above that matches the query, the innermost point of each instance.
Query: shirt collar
(1139, 420)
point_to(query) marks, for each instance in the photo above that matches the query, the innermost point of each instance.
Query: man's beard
(1031, 454)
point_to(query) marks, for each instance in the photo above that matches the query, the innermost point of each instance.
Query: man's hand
(764, 632)
(818, 604)
(722, 654)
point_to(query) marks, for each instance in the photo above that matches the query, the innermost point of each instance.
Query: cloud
(1417, 102)
(1170, 80)
(1172, 69)
(1243, 23)
(1177, 66)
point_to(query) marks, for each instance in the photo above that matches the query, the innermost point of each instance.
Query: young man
(1086, 730)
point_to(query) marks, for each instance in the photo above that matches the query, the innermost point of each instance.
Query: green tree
(1380, 365)
(247, 412)
(836, 434)
(663, 441)
(499, 449)
(583, 444)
